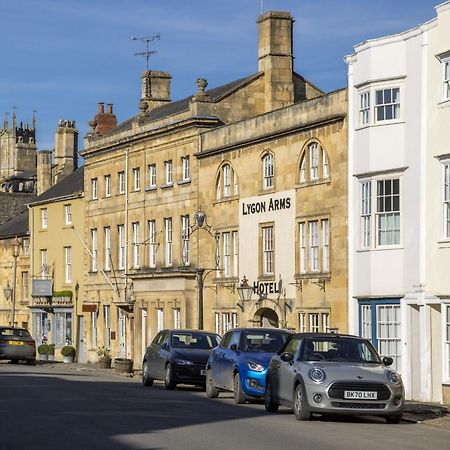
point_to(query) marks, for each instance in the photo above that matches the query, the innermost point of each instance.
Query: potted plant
(68, 353)
(104, 358)
(42, 352)
(123, 365)
(51, 352)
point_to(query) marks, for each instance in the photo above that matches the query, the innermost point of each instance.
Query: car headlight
(183, 362)
(317, 375)
(393, 377)
(252, 365)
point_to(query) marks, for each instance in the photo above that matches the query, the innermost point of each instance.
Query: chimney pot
(101, 107)
(109, 108)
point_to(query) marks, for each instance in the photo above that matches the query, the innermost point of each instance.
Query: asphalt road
(63, 408)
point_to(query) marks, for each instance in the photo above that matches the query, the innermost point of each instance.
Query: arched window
(314, 164)
(227, 183)
(268, 171)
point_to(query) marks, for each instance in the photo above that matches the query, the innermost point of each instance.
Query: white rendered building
(399, 201)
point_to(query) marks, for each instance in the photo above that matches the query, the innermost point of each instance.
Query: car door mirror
(387, 361)
(233, 347)
(287, 357)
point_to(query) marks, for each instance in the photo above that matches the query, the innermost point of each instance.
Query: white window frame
(26, 246)
(446, 79)
(107, 236)
(68, 214)
(68, 264)
(325, 322)
(94, 188)
(218, 323)
(169, 172)
(394, 105)
(268, 249)
(325, 165)
(314, 322)
(226, 171)
(94, 318)
(364, 108)
(136, 179)
(366, 214)
(44, 266)
(185, 240)
(44, 218)
(314, 245)
(25, 286)
(152, 243)
(152, 175)
(303, 169)
(176, 318)
(136, 246)
(325, 245)
(302, 322)
(121, 176)
(160, 319)
(121, 242)
(446, 336)
(226, 237)
(94, 250)
(302, 243)
(388, 215)
(107, 185)
(268, 171)
(107, 330)
(313, 150)
(169, 235)
(235, 253)
(185, 168)
(446, 200)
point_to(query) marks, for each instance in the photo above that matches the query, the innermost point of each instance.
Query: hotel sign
(266, 205)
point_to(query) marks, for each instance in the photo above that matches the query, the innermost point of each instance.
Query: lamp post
(16, 250)
(201, 273)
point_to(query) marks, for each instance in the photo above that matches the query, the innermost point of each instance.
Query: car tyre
(239, 395)
(31, 362)
(301, 410)
(269, 403)
(211, 390)
(146, 379)
(14, 361)
(169, 379)
(394, 419)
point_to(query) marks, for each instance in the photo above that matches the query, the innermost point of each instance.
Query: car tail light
(31, 343)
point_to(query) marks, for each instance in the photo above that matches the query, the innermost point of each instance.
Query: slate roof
(182, 105)
(72, 184)
(17, 226)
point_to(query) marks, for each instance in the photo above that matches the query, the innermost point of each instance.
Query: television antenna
(146, 54)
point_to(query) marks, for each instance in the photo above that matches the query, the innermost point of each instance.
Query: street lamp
(202, 224)
(245, 292)
(7, 291)
(16, 251)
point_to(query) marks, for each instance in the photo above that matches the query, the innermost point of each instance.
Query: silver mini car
(333, 373)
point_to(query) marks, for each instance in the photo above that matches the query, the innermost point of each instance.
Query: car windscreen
(263, 341)
(8, 332)
(338, 349)
(195, 340)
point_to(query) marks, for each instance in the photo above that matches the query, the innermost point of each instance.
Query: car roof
(5, 327)
(186, 330)
(328, 335)
(281, 330)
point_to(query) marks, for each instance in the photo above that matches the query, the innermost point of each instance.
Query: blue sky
(61, 58)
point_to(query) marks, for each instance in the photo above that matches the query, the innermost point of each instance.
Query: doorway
(267, 318)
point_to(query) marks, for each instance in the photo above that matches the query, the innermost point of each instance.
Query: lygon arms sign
(271, 204)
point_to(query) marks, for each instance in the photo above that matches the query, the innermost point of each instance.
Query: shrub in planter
(43, 352)
(104, 358)
(68, 353)
(51, 351)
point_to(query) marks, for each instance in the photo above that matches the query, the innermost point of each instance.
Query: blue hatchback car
(239, 364)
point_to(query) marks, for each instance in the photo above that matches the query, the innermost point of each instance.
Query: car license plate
(15, 342)
(360, 395)
(202, 372)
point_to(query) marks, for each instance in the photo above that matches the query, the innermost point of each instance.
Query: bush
(68, 350)
(102, 352)
(50, 349)
(43, 349)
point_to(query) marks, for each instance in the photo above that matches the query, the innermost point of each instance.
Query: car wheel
(211, 390)
(146, 379)
(169, 380)
(31, 362)
(269, 403)
(394, 419)
(301, 410)
(239, 395)
(14, 361)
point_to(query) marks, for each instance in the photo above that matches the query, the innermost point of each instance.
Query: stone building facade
(149, 180)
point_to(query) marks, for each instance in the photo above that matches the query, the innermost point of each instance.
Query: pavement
(432, 414)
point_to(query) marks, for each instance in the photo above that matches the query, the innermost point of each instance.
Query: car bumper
(17, 352)
(194, 374)
(253, 383)
(320, 401)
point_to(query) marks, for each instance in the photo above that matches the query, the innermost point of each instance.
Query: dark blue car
(239, 364)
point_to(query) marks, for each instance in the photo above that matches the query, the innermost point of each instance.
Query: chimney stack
(44, 171)
(66, 148)
(103, 121)
(155, 90)
(275, 55)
